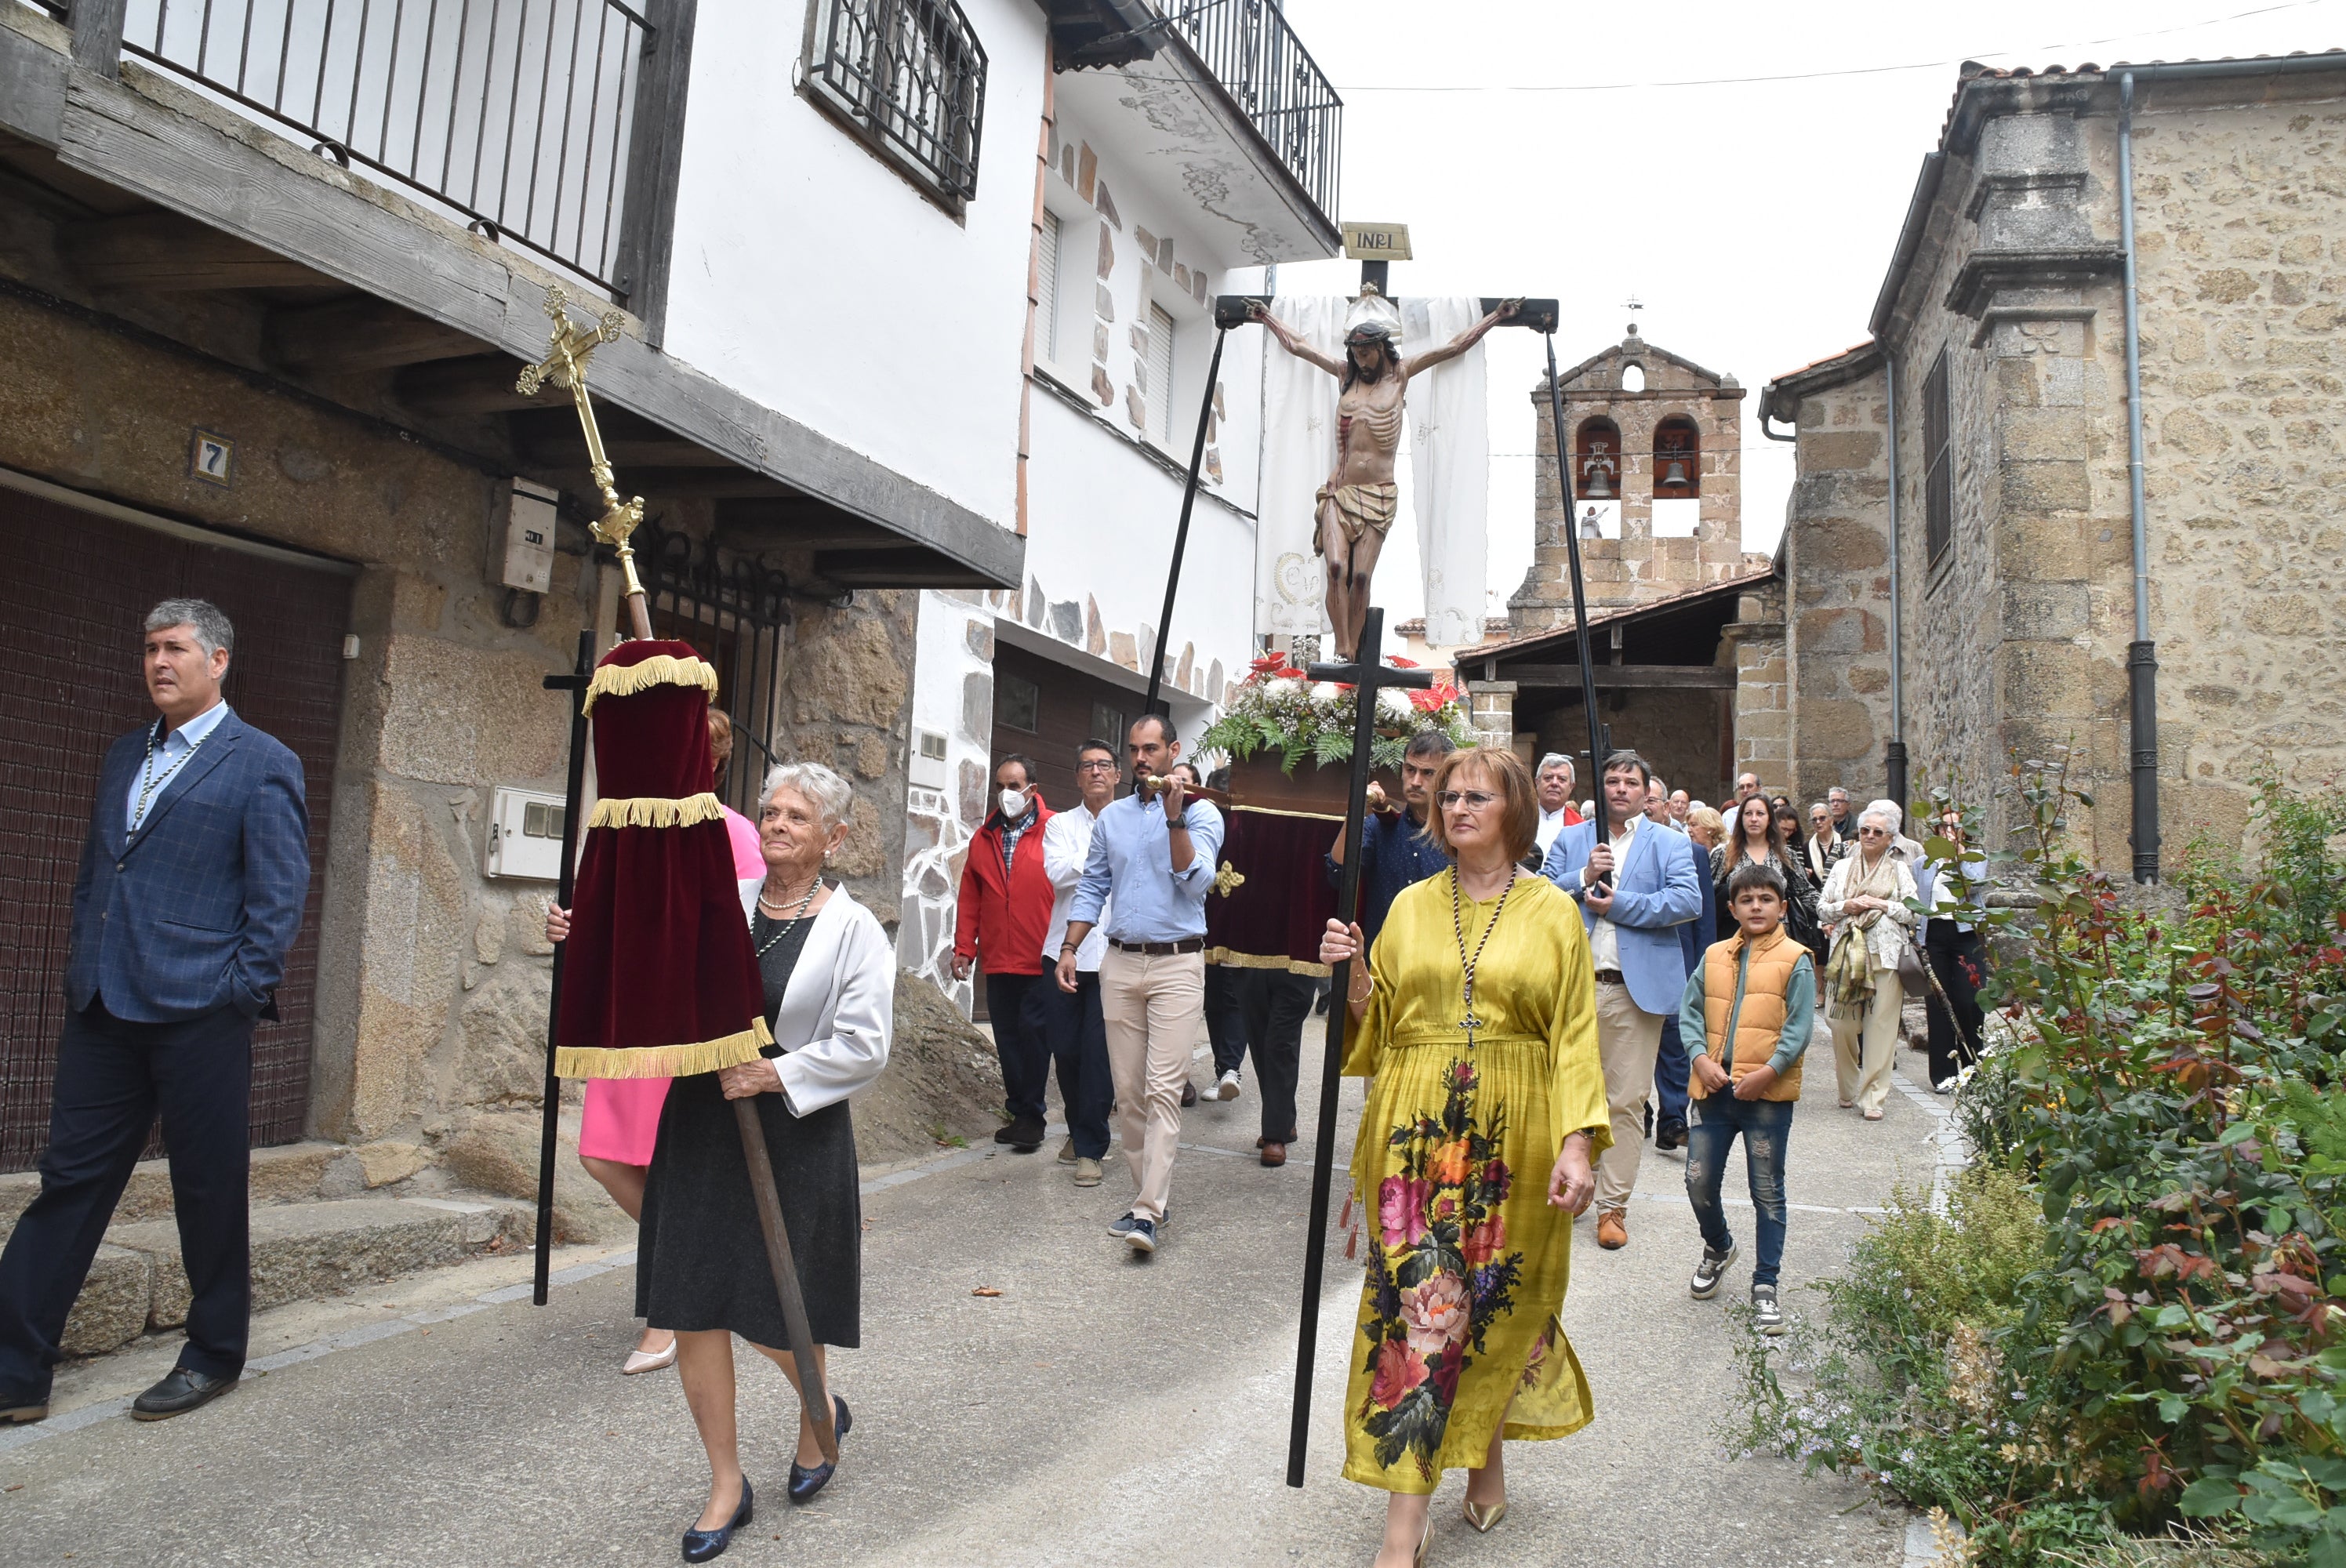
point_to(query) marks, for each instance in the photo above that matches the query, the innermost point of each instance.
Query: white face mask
(1014, 804)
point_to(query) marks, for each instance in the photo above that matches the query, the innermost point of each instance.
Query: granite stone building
(1970, 567)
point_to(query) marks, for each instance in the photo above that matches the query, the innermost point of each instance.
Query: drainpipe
(2142, 660)
(1894, 753)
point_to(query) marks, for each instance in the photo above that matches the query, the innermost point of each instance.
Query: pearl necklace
(797, 915)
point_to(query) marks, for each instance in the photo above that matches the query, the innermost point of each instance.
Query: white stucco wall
(811, 276)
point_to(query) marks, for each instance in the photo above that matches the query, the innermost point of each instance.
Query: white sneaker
(1225, 1087)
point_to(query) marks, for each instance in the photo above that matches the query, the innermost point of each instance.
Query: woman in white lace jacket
(1865, 904)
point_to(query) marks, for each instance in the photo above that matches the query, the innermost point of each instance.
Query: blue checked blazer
(198, 909)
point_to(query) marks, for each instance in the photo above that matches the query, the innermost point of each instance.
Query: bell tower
(1656, 445)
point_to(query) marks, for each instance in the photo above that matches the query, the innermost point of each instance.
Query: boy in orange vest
(1751, 1003)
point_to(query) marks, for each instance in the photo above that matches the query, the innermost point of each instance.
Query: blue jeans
(1766, 1128)
(1078, 1036)
(1670, 1070)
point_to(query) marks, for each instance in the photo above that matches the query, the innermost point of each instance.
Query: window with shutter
(1046, 289)
(1160, 376)
(1938, 460)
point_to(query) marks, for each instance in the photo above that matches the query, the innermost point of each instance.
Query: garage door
(74, 589)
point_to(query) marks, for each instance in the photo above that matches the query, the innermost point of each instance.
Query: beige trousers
(1629, 1038)
(1154, 1006)
(1866, 1048)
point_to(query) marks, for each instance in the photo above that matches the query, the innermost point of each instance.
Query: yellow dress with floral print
(1467, 1262)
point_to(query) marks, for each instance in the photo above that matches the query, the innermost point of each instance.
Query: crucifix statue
(565, 366)
(1358, 502)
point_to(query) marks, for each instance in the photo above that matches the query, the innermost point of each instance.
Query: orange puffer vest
(1757, 1015)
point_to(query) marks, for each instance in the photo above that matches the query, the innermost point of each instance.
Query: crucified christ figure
(1357, 504)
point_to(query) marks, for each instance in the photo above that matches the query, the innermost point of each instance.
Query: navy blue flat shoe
(701, 1545)
(805, 1483)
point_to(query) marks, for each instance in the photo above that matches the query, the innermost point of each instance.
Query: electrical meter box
(927, 768)
(525, 835)
(529, 538)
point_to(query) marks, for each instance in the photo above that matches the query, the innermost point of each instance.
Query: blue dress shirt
(1394, 854)
(1131, 858)
(168, 755)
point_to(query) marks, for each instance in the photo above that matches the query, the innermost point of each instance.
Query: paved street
(1100, 1409)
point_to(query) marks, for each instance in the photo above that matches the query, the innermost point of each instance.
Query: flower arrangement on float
(1279, 707)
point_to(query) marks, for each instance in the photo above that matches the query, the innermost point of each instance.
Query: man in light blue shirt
(1155, 851)
(163, 761)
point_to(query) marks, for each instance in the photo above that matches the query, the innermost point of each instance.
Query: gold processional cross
(565, 366)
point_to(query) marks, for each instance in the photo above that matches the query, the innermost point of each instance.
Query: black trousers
(1078, 1031)
(1275, 1003)
(1226, 1018)
(1014, 1005)
(113, 1077)
(1958, 958)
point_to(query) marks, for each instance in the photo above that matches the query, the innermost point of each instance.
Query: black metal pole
(1331, 1064)
(2142, 708)
(1181, 533)
(574, 683)
(1579, 589)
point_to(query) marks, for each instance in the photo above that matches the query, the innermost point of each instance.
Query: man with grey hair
(193, 875)
(1554, 782)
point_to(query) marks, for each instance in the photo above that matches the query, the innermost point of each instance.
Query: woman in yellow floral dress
(1475, 1022)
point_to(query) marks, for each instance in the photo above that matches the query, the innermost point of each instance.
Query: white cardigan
(839, 1007)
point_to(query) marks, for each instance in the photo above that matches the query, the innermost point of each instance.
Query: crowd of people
(1530, 992)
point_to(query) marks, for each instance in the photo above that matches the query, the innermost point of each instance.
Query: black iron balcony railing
(1273, 79)
(514, 113)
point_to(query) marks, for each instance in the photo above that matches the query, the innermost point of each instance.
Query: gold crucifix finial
(564, 365)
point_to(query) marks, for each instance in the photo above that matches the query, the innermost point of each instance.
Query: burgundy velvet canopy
(1271, 898)
(658, 979)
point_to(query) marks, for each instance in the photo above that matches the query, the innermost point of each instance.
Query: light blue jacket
(1655, 893)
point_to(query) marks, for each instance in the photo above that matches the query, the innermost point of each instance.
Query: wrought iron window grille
(908, 78)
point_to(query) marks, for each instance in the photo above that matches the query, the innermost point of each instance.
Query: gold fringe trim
(660, 669)
(663, 1061)
(1237, 960)
(655, 811)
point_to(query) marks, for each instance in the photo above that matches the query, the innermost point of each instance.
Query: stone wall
(2242, 263)
(1836, 555)
(1756, 640)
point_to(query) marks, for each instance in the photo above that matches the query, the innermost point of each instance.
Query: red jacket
(1006, 917)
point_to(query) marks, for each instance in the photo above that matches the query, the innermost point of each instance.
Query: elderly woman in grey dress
(830, 977)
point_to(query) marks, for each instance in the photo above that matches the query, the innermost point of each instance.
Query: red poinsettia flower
(1267, 664)
(1400, 663)
(1441, 694)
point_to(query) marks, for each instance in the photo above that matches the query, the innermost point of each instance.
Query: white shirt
(1066, 846)
(1551, 823)
(1604, 942)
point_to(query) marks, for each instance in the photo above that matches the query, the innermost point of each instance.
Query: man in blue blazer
(192, 881)
(1636, 886)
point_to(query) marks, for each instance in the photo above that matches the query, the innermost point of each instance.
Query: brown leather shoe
(1613, 1229)
(1274, 1154)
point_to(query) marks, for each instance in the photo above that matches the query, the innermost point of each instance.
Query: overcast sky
(1531, 150)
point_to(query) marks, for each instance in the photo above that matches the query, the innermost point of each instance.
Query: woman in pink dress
(621, 1120)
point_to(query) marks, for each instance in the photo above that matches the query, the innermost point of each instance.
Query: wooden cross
(1369, 676)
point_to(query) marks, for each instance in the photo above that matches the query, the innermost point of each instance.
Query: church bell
(1674, 477)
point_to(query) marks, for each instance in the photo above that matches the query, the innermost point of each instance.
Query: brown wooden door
(73, 593)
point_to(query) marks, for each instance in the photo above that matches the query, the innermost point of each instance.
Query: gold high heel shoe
(1485, 1519)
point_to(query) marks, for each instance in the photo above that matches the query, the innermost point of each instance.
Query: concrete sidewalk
(1101, 1409)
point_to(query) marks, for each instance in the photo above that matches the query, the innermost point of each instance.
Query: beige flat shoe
(1872, 1115)
(638, 1361)
(1485, 1519)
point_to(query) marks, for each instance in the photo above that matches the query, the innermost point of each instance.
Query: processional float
(658, 979)
(1246, 883)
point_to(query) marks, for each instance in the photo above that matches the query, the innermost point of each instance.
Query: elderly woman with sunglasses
(1867, 902)
(1475, 1021)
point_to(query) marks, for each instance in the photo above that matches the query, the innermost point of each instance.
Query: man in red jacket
(1005, 913)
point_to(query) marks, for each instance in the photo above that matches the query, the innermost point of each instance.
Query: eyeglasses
(1097, 765)
(1873, 832)
(1463, 800)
